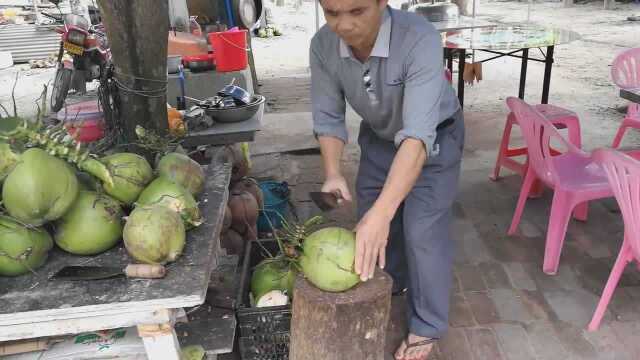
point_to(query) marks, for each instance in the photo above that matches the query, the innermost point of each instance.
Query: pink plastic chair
(561, 118)
(448, 75)
(623, 173)
(572, 175)
(625, 72)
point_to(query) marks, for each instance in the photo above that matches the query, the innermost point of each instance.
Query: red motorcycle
(89, 50)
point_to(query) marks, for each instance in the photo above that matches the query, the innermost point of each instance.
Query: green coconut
(92, 225)
(182, 170)
(327, 259)
(154, 234)
(271, 275)
(87, 182)
(41, 188)
(130, 173)
(167, 193)
(8, 160)
(22, 249)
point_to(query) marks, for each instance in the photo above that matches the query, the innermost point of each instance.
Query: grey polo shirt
(400, 91)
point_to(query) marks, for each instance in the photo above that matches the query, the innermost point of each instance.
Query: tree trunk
(137, 32)
(337, 326)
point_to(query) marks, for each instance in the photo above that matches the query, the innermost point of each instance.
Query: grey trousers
(420, 248)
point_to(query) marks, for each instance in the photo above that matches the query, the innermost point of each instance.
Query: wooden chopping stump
(337, 326)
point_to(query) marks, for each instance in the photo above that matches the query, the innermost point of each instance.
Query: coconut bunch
(325, 257)
(240, 223)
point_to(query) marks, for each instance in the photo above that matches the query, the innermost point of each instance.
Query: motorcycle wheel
(61, 85)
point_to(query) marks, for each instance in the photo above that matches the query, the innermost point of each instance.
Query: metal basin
(236, 113)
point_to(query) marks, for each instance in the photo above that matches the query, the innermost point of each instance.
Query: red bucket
(230, 49)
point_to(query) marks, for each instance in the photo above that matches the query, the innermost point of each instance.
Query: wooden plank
(631, 95)
(79, 325)
(160, 341)
(33, 298)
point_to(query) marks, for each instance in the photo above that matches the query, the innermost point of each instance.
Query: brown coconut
(232, 242)
(244, 211)
(249, 185)
(226, 221)
(239, 163)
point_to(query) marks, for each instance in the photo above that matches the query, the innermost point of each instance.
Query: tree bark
(137, 32)
(337, 326)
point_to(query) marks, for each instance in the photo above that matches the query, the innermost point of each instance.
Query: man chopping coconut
(388, 65)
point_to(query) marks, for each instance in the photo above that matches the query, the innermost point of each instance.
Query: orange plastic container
(186, 44)
(230, 49)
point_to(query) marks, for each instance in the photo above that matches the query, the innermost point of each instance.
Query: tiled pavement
(503, 306)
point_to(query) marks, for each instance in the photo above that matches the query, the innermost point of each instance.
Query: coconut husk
(244, 211)
(232, 242)
(249, 185)
(239, 162)
(226, 221)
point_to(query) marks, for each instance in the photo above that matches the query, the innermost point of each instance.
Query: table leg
(450, 60)
(523, 72)
(160, 341)
(461, 61)
(548, 63)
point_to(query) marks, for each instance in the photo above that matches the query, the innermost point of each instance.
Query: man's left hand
(372, 234)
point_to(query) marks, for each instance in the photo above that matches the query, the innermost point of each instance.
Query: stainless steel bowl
(236, 113)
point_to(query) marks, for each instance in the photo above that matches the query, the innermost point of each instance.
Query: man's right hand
(337, 184)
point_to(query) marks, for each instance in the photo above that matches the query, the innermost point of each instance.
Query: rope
(146, 93)
(139, 78)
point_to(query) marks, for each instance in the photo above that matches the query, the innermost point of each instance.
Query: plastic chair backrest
(625, 70)
(539, 133)
(623, 173)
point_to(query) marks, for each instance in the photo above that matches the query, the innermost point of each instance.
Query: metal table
(226, 133)
(505, 40)
(632, 95)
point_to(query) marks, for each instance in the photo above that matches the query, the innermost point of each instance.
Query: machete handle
(145, 271)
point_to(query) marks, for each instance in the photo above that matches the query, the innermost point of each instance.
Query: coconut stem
(97, 169)
(57, 142)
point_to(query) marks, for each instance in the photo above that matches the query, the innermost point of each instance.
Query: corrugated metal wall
(29, 42)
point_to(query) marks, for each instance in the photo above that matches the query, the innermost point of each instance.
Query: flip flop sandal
(418, 344)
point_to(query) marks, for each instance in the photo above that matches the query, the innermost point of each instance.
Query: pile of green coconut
(46, 200)
(55, 191)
